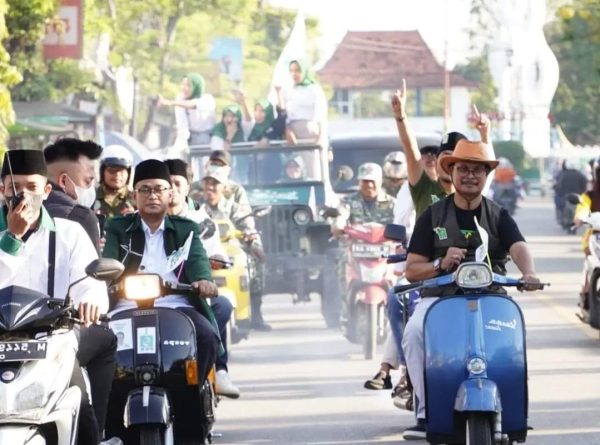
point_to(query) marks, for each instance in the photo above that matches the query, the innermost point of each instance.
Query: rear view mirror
(330, 212)
(104, 269)
(345, 173)
(207, 228)
(261, 211)
(395, 232)
(574, 198)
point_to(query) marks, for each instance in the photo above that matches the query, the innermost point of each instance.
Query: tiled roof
(380, 59)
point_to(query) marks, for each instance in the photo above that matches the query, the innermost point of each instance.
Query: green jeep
(294, 181)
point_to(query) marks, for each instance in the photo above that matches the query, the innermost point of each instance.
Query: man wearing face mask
(47, 254)
(71, 172)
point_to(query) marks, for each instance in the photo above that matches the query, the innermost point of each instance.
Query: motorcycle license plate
(17, 351)
(368, 250)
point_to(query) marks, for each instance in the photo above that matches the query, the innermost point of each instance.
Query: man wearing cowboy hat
(444, 236)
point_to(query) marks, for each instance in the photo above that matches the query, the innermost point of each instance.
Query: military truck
(301, 260)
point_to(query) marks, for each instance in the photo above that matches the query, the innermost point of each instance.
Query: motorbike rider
(71, 173)
(232, 197)
(181, 206)
(142, 241)
(27, 235)
(370, 204)
(445, 235)
(218, 206)
(394, 172)
(570, 179)
(424, 189)
(113, 196)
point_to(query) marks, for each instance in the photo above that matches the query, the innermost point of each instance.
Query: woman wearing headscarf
(229, 130)
(195, 111)
(306, 107)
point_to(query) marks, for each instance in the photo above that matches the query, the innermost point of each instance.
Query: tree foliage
(9, 77)
(575, 39)
(477, 70)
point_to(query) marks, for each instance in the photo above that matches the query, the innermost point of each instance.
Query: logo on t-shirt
(467, 233)
(441, 233)
(434, 199)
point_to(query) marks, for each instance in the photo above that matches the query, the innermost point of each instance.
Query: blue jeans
(222, 309)
(395, 309)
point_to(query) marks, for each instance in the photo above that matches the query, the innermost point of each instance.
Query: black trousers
(207, 341)
(97, 353)
(222, 308)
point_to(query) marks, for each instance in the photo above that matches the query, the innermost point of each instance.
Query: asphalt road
(303, 383)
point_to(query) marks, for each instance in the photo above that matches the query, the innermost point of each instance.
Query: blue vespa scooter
(475, 360)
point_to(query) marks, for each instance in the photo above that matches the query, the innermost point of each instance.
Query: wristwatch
(437, 264)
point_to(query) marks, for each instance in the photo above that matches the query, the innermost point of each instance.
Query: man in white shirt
(30, 242)
(221, 306)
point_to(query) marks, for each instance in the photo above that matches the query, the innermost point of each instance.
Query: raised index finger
(403, 87)
(476, 112)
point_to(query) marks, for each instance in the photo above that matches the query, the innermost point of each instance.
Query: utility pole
(446, 73)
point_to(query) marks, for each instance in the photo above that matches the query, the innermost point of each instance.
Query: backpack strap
(51, 262)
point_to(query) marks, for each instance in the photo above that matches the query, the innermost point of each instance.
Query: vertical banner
(64, 35)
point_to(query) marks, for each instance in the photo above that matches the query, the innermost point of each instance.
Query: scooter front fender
(478, 395)
(145, 405)
(372, 294)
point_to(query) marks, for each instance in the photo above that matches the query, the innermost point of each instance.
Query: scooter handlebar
(396, 258)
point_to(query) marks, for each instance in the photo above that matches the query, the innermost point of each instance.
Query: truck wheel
(479, 429)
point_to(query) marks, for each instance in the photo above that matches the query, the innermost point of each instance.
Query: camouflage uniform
(122, 203)
(237, 194)
(357, 211)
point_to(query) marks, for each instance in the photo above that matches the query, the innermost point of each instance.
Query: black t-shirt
(422, 240)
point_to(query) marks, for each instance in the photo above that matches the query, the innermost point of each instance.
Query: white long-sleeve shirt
(28, 267)
(200, 119)
(306, 103)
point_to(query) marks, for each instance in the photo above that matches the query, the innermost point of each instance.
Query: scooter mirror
(207, 228)
(261, 211)
(574, 198)
(395, 232)
(104, 269)
(330, 212)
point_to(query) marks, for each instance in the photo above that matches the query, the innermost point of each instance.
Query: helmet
(394, 165)
(115, 156)
(504, 163)
(570, 164)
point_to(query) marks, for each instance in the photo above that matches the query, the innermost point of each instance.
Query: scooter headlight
(473, 275)
(476, 366)
(31, 397)
(142, 287)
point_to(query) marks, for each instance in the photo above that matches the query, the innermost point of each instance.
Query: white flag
(295, 49)
(180, 255)
(482, 251)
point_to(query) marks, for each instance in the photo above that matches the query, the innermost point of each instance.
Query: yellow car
(234, 281)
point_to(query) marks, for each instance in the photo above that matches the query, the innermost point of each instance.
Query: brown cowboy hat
(468, 151)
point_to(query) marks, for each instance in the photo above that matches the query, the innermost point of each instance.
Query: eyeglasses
(478, 171)
(147, 191)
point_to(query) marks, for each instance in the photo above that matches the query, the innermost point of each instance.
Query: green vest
(448, 234)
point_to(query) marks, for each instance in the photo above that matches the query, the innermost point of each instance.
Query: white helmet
(116, 155)
(504, 163)
(394, 165)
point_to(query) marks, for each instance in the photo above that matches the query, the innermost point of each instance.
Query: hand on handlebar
(454, 256)
(530, 283)
(206, 289)
(89, 313)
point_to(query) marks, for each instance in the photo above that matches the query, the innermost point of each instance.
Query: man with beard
(446, 235)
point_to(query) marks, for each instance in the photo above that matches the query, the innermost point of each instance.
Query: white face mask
(85, 196)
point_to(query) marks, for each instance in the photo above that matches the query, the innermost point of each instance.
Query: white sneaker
(224, 386)
(112, 441)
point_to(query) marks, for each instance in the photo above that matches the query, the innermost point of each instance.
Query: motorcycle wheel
(370, 337)
(151, 435)
(479, 429)
(594, 300)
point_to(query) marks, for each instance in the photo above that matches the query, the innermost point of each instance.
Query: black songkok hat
(449, 140)
(24, 162)
(151, 169)
(177, 167)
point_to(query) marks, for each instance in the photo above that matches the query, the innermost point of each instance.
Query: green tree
(575, 39)
(9, 77)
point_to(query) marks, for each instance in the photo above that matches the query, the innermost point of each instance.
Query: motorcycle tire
(370, 338)
(151, 435)
(479, 429)
(594, 301)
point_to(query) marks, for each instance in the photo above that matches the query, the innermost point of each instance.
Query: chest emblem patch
(441, 233)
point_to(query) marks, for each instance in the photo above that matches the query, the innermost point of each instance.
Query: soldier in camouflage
(113, 197)
(370, 204)
(220, 161)
(217, 205)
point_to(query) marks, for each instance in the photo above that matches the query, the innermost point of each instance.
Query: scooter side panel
(448, 345)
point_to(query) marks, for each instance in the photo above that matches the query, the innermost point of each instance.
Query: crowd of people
(300, 113)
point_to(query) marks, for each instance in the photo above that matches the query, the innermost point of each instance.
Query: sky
(431, 17)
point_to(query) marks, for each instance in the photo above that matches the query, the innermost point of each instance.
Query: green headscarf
(306, 77)
(220, 130)
(197, 85)
(259, 130)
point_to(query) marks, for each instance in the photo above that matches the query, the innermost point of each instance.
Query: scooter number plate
(369, 250)
(17, 351)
